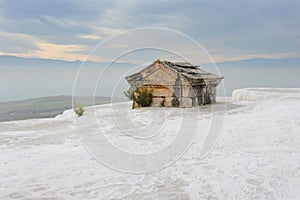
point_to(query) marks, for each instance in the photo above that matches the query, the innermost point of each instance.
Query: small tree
(130, 93)
(78, 109)
(144, 97)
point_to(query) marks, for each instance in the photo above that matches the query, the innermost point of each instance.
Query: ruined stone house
(177, 84)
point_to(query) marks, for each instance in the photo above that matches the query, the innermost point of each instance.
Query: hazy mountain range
(6, 61)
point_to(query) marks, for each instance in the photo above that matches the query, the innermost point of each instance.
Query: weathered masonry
(178, 84)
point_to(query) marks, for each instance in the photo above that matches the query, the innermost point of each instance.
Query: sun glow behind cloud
(33, 47)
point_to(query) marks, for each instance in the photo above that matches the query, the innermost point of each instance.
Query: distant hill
(45, 107)
(263, 62)
(43, 62)
(254, 62)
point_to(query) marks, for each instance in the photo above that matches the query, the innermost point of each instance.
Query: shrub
(144, 97)
(175, 102)
(78, 109)
(162, 103)
(130, 93)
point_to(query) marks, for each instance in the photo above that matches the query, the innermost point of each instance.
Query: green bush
(144, 97)
(162, 103)
(130, 93)
(78, 109)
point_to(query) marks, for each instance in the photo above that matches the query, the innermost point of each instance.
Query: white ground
(257, 155)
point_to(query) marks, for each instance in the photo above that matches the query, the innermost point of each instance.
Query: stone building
(177, 84)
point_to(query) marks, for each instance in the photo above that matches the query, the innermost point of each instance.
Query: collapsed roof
(193, 73)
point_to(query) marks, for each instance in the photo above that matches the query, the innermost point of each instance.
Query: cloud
(90, 36)
(16, 43)
(18, 9)
(28, 46)
(236, 29)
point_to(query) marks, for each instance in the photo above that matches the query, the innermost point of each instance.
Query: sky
(229, 30)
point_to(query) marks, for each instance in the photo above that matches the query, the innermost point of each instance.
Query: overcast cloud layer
(229, 30)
